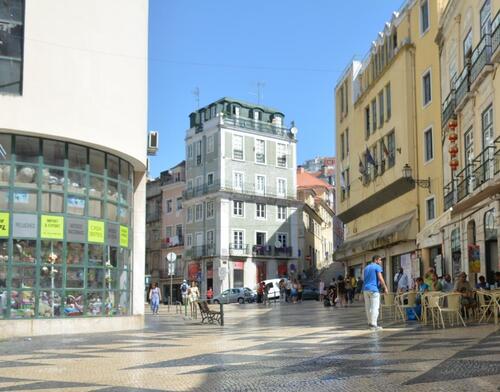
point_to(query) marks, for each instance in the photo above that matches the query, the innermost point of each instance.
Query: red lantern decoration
(454, 163)
(452, 137)
(453, 150)
(452, 124)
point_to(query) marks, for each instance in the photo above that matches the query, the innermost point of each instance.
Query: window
(199, 183)
(238, 181)
(260, 184)
(169, 206)
(237, 208)
(257, 115)
(281, 151)
(467, 47)
(179, 203)
(281, 187)
(178, 232)
(189, 185)
(388, 101)
(485, 18)
(198, 152)
(374, 115)
(282, 239)
(347, 142)
(367, 122)
(189, 240)
(342, 147)
(391, 148)
(237, 239)
(210, 237)
(260, 211)
(198, 212)
(260, 151)
(210, 209)
(190, 151)
(381, 108)
(426, 88)
(469, 150)
(487, 124)
(430, 209)
(424, 16)
(281, 213)
(210, 178)
(238, 147)
(428, 145)
(11, 47)
(210, 144)
(190, 214)
(168, 231)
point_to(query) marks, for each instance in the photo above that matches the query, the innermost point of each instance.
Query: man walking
(373, 280)
(401, 281)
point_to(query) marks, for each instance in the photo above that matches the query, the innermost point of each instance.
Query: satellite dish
(278, 244)
(294, 130)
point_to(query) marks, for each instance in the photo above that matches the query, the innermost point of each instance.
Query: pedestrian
(210, 294)
(260, 292)
(294, 291)
(155, 298)
(333, 292)
(300, 289)
(288, 290)
(184, 292)
(373, 281)
(150, 287)
(321, 290)
(194, 295)
(401, 282)
(341, 291)
(352, 291)
(282, 287)
(267, 289)
(359, 288)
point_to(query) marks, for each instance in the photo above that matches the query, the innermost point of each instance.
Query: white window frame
(242, 209)
(189, 240)
(242, 231)
(189, 185)
(167, 231)
(264, 153)
(210, 144)
(195, 212)
(190, 151)
(242, 180)
(427, 71)
(278, 234)
(198, 152)
(426, 131)
(257, 211)
(433, 198)
(198, 183)
(257, 190)
(212, 215)
(190, 214)
(262, 232)
(213, 178)
(169, 206)
(278, 180)
(210, 241)
(234, 136)
(278, 218)
(177, 204)
(285, 146)
(422, 31)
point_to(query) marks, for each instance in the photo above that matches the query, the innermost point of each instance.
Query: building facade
(72, 188)
(387, 127)
(469, 43)
(240, 198)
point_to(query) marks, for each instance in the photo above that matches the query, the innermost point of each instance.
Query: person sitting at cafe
(421, 287)
(447, 284)
(435, 284)
(463, 287)
(482, 284)
(496, 283)
(428, 276)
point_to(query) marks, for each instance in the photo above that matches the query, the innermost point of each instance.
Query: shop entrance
(491, 246)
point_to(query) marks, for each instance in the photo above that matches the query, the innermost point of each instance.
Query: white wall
(85, 75)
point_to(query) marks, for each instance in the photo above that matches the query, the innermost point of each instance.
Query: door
(491, 248)
(199, 244)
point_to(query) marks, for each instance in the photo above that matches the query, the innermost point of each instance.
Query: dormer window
(236, 110)
(257, 115)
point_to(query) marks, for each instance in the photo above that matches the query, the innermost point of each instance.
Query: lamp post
(407, 174)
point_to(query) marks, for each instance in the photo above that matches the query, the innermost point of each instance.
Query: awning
(430, 234)
(393, 231)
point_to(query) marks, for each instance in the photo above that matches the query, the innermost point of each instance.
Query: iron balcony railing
(495, 35)
(483, 168)
(238, 249)
(259, 126)
(480, 57)
(200, 251)
(462, 86)
(201, 190)
(448, 108)
(172, 242)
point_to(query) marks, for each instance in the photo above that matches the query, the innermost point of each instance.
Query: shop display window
(96, 208)
(77, 182)
(96, 187)
(23, 277)
(95, 278)
(77, 157)
(24, 200)
(24, 251)
(52, 252)
(52, 202)
(75, 205)
(4, 199)
(96, 254)
(53, 152)
(51, 276)
(53, 179)
(49, 303)
(27, 149)
(96, 161)
(112, 166)
(22, 304)
(75, 253)
(4, 174)
(73, 303)
(112, 211)
(95, 303)
(26, 176)
(75, 277)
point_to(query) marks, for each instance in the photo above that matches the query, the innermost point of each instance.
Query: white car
(274, 292)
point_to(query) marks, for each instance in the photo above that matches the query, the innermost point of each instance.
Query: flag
(362, 168)
(384, 148)
(369, 158)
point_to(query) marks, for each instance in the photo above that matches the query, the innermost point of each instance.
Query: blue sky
(296, 48)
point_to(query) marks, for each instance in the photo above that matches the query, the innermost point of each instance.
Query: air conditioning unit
(153, 142)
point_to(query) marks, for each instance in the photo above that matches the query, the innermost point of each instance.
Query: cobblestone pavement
(303, 347)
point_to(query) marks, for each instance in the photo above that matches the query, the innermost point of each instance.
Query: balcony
(481, 62)
(200, 190)
(483, 168)
(448, 108)
(495, 39)
(172, 242)
(239, 249)
(258, 126)
(462, 88)
(200, 251)
(252, 190)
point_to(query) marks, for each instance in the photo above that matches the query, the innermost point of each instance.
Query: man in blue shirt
(373, 281)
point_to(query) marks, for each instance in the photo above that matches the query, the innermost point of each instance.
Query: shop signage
(24, 225)
(75, 229)
(4, 224)
(112, 232)
(123, 236)
(52, 227)
(96, 231)
(238, 265)
(474, 260)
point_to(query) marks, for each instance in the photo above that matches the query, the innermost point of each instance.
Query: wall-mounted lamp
(407, 174)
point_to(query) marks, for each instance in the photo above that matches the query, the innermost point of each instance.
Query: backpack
(184, 288)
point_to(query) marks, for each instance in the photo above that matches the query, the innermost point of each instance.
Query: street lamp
(407, 174)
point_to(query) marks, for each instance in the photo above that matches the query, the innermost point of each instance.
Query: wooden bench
(210, 315)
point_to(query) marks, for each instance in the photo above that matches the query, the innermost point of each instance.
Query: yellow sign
(124, 236)
(96, 231)
(4, 224)
(52, 227)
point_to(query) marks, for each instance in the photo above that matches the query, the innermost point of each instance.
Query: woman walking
(155, 298)
(194, 295)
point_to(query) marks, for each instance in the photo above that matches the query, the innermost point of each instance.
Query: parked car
(274, 292)
(310, 293)
(233, 295)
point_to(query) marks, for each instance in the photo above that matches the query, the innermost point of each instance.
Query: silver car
(239, 295)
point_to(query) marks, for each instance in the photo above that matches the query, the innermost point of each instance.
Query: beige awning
(430, 234)
(391, 232)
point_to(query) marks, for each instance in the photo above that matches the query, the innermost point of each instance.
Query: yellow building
(388, 145)
(469, 47)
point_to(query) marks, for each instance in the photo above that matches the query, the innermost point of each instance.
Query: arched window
(471, 232)
(490, 229)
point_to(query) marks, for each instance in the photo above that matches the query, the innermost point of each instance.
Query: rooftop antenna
(196, 93)
(260, 92)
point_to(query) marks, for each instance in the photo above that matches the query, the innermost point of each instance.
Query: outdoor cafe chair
(485, 305)
(411, 302)
(388, 302)
(453, 308)
(430, 302)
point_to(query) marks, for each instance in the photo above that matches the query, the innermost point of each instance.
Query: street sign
(222, 273)
(171, 268)
(171, 257)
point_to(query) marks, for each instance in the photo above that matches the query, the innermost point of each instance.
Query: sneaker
(376, 328)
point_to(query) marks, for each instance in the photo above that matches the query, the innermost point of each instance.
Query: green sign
(124, 236)
(4, 224)
(96, 231)
(52, 227)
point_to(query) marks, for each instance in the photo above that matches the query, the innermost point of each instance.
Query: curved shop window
(65, 224)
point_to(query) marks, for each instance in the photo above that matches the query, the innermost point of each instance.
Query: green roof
(245, 104)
